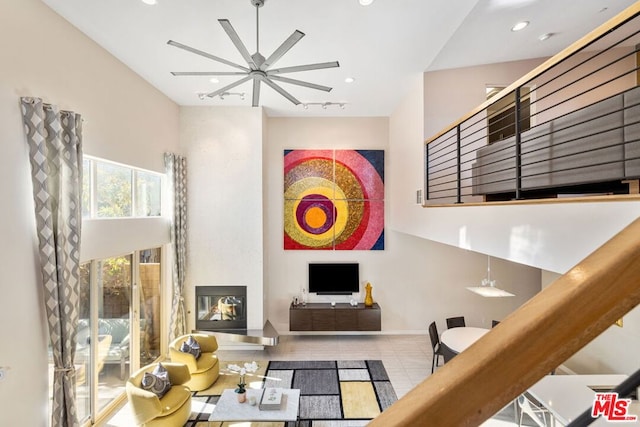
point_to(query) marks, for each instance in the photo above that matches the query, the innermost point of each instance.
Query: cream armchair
(204, 370)
(173, 409)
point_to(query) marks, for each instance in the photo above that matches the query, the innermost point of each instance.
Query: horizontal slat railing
(529, 343)
(568, 127)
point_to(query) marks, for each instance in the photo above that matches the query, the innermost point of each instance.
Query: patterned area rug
(344, 393)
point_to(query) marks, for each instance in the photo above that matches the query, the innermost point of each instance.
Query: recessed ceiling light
(151, 2)
(520, 25)
(349, 80)
(214, 80)
(366, 2)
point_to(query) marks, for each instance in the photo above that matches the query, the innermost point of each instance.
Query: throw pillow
(195, 346)
(191, 346)
(157, 381)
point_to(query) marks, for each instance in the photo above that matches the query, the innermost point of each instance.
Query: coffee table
(229, 409)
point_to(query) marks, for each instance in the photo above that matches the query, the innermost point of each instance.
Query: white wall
(223, 146)
(126, 120)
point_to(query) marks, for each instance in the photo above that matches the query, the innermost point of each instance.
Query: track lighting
(223, 94)
(324, 105)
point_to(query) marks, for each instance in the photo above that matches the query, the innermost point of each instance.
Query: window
(111, 190)
(148, 190)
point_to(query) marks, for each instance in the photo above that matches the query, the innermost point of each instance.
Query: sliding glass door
(119, 327)
(114, 286)
(150, 294)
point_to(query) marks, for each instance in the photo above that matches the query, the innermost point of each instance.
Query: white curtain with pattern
(55, 150)
(176, 168)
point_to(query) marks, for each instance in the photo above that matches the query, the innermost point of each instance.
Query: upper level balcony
(569, 128)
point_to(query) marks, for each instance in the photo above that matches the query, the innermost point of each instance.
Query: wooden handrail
(530, 342)
(603, 29)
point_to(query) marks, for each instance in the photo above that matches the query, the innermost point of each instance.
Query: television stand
(341, 317)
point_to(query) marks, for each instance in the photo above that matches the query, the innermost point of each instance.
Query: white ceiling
(382, 45)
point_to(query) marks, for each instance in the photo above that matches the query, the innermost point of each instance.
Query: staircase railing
(571, 126)
(529, 343)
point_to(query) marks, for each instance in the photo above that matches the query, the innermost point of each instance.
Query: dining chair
(537, 413)
(455, 322)
(436, 345)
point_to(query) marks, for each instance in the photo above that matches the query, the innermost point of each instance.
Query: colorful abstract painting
(334, 199)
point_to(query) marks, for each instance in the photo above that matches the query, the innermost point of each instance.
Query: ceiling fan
(259, 68)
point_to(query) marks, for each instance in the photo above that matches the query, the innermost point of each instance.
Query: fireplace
(221, 308)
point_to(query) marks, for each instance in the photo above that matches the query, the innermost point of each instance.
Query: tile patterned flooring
(406, 358)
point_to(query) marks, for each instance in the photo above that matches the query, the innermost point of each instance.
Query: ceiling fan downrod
(258, 4)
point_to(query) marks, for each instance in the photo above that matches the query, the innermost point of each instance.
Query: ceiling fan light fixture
(150, 2)
(349, 80)
(366, 2)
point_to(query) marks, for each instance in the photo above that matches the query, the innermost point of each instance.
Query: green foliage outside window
(113, 190)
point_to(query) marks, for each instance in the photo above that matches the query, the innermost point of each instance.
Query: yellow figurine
(368, 299)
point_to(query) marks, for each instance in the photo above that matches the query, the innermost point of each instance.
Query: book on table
(272, 399)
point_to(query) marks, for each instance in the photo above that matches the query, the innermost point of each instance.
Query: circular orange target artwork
(334, 199)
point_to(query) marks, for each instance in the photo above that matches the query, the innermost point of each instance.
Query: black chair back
(433, 335)
(455, 322)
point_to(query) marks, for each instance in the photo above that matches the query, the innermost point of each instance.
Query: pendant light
(488, 287)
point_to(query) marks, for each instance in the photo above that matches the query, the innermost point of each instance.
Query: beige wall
(126, 120)
(451, 94)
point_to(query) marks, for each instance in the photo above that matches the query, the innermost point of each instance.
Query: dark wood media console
(342, 317)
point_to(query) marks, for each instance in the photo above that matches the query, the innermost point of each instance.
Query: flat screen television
(334, 278)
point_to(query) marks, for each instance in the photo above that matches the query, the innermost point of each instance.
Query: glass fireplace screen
(221, 307)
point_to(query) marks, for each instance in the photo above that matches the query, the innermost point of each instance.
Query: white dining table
(458, 339)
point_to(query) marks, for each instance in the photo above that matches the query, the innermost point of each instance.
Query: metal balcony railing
(569, 127)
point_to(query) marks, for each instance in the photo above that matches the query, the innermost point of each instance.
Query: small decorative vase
(242, 397)
(368, 299)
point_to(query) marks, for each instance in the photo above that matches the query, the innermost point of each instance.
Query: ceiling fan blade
(301, 83)
(282, 49)
(308, 67)
(237, 42)
(281, 91)
(207, 73)
(226, 88)
(207, 55)
(256, 93)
